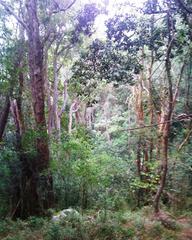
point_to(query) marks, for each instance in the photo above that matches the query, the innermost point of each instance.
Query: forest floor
(186, 233)
(100, 225)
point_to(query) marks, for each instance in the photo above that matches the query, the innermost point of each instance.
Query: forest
(95, 120)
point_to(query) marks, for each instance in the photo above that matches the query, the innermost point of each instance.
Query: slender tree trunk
(65, 98)
(139, 171)
(54, 110)
(164, 167)
(63, 108)
(73, 109)
(188, 87)
(140, 121)
(151, 107)
(16, 199)
(17, 113)
(47, 89)
(54, 113)
(167, 112)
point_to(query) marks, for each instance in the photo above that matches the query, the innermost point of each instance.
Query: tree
(35, 173)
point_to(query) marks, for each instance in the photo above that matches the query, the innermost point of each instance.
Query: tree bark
(35, 177)
(4, 117)
(35, 55)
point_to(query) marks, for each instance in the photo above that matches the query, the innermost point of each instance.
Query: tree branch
(184, 6)
(185, 140)
(157, 12)
(11, 11)
(62, 9)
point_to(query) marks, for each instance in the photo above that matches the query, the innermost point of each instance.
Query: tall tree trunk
(151, 107)
(54, 115)
(35, 181)
(17, 112)
(63, 108)
(167, 115)
(16, 199)
(47, 89)
(164, 166)
(140, 121)
(37, 82)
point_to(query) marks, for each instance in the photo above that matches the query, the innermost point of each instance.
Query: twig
(62, 9)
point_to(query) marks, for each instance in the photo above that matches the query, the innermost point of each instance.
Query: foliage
(116, 91)
(89, 228)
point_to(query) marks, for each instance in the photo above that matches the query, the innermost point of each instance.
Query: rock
(64, 214)
(56, 218)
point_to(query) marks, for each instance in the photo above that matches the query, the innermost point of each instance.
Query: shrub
(54, 232)
(156, 230)
(35, 222)
(128, 232)
(4, 228)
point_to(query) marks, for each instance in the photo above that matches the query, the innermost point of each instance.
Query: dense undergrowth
(98, 225)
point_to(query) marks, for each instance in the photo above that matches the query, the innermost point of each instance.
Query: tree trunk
(47, 89)
(63, 108)
(54, 118)
(37, 82)
(164, 167)
(73, 109)
(4, 117)
(166, 119)
(35, 177)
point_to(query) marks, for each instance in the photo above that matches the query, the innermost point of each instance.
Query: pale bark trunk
(65, 98)
(47, 89)
(73, 109)
(63, 108)
(54, 118)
